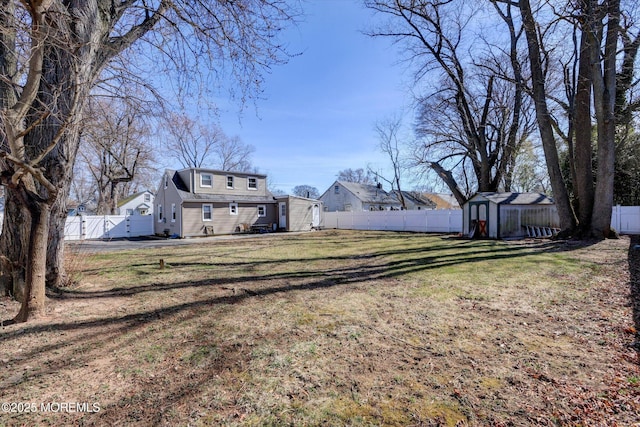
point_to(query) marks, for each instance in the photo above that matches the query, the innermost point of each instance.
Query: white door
(315, 221)
(282, 222)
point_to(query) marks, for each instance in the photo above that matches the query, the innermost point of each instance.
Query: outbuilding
(299, 213)
(510, 215)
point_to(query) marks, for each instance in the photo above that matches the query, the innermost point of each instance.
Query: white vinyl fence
(107, 226)
(429, 221)
(624, 219)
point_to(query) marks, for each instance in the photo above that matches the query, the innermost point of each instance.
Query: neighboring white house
(354, 197)
(137, 204)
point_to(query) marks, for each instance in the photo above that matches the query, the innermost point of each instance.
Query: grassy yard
(335, 328)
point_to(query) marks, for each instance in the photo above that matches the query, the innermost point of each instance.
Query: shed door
(479, 219)
(315, 220)
(282, 221)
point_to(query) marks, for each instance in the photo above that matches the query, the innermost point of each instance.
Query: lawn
(334, 328)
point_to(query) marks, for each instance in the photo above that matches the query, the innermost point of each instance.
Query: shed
(299, 213)
(509, 215)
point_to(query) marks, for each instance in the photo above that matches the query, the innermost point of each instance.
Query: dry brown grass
(336, 328)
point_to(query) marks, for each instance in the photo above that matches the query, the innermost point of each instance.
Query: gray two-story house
(199, 202)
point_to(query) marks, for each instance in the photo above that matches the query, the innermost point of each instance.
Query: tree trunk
(560, 194)
(604, 84)
(583, 183)
(13, 246)
(448, 179)
(33, 302)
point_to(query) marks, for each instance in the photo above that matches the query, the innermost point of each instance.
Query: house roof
(417, 198)
(442, 200)
(518, 198)
(131, 197)
(369, 193)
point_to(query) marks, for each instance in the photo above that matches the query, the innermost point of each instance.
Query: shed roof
(508, 198)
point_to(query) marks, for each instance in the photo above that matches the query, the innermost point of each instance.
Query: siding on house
(350, 196)
(300, 213)
(189, 220)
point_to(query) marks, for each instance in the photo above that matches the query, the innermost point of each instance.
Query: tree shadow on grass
(89, 339)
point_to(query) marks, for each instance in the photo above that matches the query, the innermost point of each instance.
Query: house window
(262, 210)
(129, 212)
(166, 181)
(336, 189)
(173, 212)
(147, 197)
(207, 212)
(252, 183)
(230, 182)
(160, 213)
(206, 180)
(233, 209)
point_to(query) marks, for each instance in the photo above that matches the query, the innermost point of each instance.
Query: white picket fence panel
(428, 221)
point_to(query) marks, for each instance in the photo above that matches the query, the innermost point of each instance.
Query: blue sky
(321, 108)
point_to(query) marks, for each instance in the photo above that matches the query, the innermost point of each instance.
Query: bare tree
(359, 176)
(307, 191)
(189, 142)
(388, 133)
(233, 155)
(599, 27)
(116, 147)
(195, 145)
(53, 53)
(472, 120)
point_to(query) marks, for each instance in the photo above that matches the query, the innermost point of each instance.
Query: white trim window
(207, 212)
(230, 182)
(262, 211)
(252, 183)
(173, 212)
(160, 217)
(206, 180)
(233, 209)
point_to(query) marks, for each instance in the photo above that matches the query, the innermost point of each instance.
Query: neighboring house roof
(418, 199)
(518, 198)
(133, 196)
(442, 200)
(369, 193)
